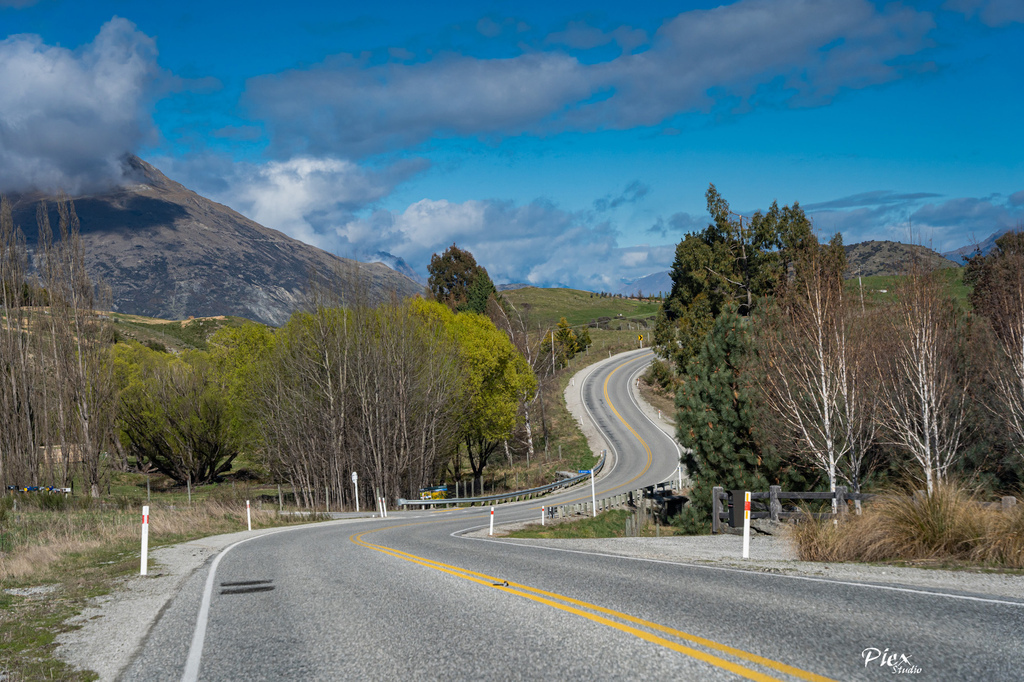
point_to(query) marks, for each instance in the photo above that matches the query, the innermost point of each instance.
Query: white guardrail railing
(515, 496)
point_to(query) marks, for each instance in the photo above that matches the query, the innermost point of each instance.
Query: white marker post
(543, 513)
(746, 525)
(248, 515)
(145, 541)
(593, 493)
(491, 532)
(384, 506)
(355, 487)
(679, 469)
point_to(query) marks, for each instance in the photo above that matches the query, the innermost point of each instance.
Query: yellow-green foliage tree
(174, 413)
(494, 377)
(242, 357)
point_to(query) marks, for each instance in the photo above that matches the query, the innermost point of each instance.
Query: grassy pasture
(546, 306)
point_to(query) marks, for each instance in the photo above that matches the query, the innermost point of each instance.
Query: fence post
(774, 506)
(841, 500)
(1009, 502)
(716, 509)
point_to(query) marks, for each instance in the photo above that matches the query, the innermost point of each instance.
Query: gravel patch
(37, 591)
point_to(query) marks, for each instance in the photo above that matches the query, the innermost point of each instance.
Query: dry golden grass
(34, 539)
(949, 525)
(1004, 543)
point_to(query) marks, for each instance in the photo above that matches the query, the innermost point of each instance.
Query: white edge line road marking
(872, 586)
(195, 650)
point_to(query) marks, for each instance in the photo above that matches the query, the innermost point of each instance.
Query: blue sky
(564, 143)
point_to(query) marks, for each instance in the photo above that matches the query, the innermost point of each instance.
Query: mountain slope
(649, 285)
(889, 258)
(168, 252)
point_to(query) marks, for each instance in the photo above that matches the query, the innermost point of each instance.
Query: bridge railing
(515, 496)
(633, 498)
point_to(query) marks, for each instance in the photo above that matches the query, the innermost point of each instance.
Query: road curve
(420, 595)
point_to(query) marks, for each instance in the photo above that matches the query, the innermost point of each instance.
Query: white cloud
(940, 225)
(309, 198)
(804, 51)
(537, 243)
(990, 12)
(68, 117)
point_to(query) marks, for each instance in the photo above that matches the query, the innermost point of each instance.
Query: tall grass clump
(905, 525)
(1004, 544)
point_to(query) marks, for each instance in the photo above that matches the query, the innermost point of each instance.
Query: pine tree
(715, 422)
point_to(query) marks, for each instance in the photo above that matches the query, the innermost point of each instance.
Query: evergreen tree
(457, 280)
(567, 343)
(735, 261)
(716, 422)
(479, 292)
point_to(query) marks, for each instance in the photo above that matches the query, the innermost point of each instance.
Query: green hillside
(547, 306)
(175, 335)
(880, 288)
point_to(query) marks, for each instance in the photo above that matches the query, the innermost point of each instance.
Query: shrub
(692, 520)
(947, 525)
(1004, 543)
(660, 374)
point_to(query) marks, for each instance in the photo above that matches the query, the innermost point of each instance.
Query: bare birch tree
(811, 372)
(925, 392)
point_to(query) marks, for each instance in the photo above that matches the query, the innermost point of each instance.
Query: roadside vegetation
(57, 553)
(784, 373)
(615, 523)
(950, 527)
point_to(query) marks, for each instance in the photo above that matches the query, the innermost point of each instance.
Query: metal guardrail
(564, 483)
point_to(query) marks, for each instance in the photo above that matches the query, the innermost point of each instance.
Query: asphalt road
(416, 597)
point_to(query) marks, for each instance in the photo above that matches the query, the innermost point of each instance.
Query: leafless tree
(516, 323)
(22, 403)
(84, 389)
(814, 372)
(924, 397)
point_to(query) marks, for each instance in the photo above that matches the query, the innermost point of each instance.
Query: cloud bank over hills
(68, 117)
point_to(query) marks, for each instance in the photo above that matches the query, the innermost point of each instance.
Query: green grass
(547, 306)
(881, 289)
(609, 524)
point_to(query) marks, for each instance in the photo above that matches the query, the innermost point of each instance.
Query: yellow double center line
(622, 621)
(643, 443)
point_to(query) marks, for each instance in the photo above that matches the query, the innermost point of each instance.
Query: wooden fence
(727, 506)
